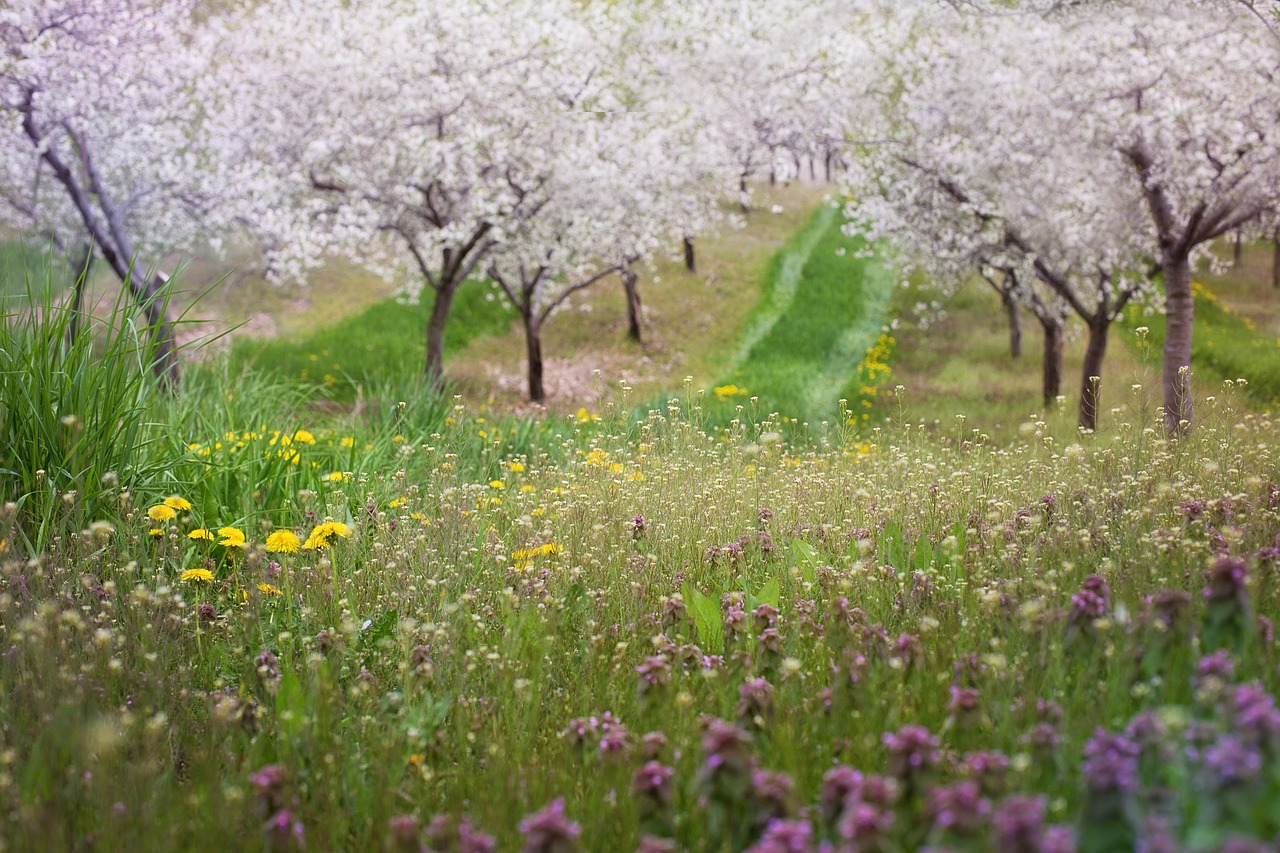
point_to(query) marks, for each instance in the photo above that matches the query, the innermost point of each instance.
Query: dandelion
(231, 537)
(200, 534)
(196, 576)
(283, 542)
(156, 532)
(177, 503)
(304, 437)
(269, 589)
(497, 484)
(322, 535)
(161, 512)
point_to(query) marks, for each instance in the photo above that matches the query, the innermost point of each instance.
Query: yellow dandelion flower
(397, 502)
(196, 575)
(516, 467)
(178, 503)
(283, 542)
(347, 441)
(231, 537)
(161, 512)
(497, 484)
(336, 477)
(304, 437)
(200, 533)
(269, 589)
(322, 535)
(156, 532)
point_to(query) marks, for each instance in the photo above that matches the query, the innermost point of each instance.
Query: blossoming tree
(1100, 149)
(101, 147)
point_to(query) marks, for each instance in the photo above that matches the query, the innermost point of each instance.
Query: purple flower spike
(1111, 763)
(549, 831)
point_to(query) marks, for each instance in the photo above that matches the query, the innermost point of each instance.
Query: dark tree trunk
(1051, 374)
(813, 169)
(1091, 375)
(434, 366)
(1275, 260)
(1015, 323)
(629, 282)
(1179, 313)
(690, 257)
(82, 271)
(1237, 251)
(533, 345)
(827, 164)
(742, 188)
(164, 362)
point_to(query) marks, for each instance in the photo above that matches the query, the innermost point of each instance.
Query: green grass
(383, 345)
(822, 310)
(25, 266)
(533, 610)
(1225, 347)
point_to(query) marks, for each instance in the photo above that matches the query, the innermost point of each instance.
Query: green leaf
(770, 594)
(290, 705)
(706, 617)
(805, 558)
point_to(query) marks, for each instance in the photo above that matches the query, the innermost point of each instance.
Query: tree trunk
(690, 256)
(629, 281)
(435, 334)
(82, 272)
(164, 361)
(1179, 316)
(1275, 260)
(1051, 378)
(827, 164)
(533, 344)
(1237, 250)
(742, 189)
(1091, 375)
(1015, 323)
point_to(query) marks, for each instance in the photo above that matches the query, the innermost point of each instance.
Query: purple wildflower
(959, 807)
(284, 832)
(549, 831)
(784, 836)
(1019, 824)
(1092, 600)
(1111, 763)
(755, 699)
(912, 751)
(1231, 761)
(1226, 580)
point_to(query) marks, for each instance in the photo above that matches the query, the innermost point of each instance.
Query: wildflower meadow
(579, 426)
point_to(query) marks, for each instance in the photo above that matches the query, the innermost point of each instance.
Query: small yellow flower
(397, 502)
(304, 437)
(283, 542)
(231, 537)
(200, 533)
(516, 467)
(497, 484)
(161, 512)
(197, 575)
(336, 477)
(156, 532)
(179, 503)
(269, 589)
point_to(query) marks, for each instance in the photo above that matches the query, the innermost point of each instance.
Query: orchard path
(824, 306)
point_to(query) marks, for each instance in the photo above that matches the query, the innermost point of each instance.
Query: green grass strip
(833, 313)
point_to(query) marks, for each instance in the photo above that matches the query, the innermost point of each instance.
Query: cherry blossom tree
(1100, 146)
(101, 148)
(392, 132)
